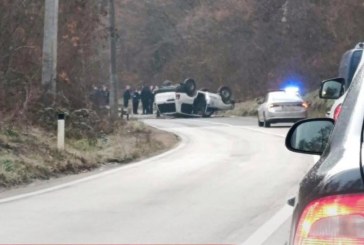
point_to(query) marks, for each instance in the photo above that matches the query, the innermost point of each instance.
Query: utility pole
(49, 60)
(113, 82)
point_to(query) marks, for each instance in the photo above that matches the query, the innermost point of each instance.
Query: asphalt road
(227, 182)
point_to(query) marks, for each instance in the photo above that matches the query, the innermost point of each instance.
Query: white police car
(281, 106)
(185, 100)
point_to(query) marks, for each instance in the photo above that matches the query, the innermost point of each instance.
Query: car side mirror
(310, 136)
(332, 88)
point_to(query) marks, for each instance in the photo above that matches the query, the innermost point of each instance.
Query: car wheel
(266, 124)
(225, 93)
(190, 86)
(158, 114)
(260, 124)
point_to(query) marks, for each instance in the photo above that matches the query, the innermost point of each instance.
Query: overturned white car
(185, 100)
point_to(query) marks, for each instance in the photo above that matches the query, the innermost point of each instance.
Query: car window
(348, 65)
(344, 63)
(354, 64)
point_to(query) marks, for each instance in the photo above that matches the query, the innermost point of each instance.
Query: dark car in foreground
(329, 208)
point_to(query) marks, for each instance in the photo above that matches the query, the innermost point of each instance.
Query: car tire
(266, 124)
(158, 114)
(225, 93)
(260, 124)
(190, 87)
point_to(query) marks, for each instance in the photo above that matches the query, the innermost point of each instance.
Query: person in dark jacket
(93, 96)
(126, 96)
(105, 94)
(145, 98)
(96, 97)
(150, 99)
(135, 99)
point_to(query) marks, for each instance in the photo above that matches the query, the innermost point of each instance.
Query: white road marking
(121, 168)
(269, 227)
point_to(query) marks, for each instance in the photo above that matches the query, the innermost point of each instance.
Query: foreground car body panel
(339, 171)
(316, 185)
(332, 113)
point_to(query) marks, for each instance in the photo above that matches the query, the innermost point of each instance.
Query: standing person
(105, 96)
(126, 96)
(93, 96)
(135, 100)
(96, 97)
(144, 96)
(150, 99)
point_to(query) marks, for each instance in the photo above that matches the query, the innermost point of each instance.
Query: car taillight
(337, 111)
(178, 96)
(333, 220)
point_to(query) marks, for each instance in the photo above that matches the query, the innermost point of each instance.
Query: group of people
(100, 96)
(145, 95)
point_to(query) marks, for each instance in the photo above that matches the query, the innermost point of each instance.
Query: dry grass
(29, 154)
(318, 107)
(246, 108)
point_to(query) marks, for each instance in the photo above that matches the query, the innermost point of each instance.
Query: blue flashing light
(292, 84)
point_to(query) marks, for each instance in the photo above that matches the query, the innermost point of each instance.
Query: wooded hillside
(251, 45)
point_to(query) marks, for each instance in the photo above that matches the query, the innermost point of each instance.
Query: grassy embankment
(317, 107)
(27, 154)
